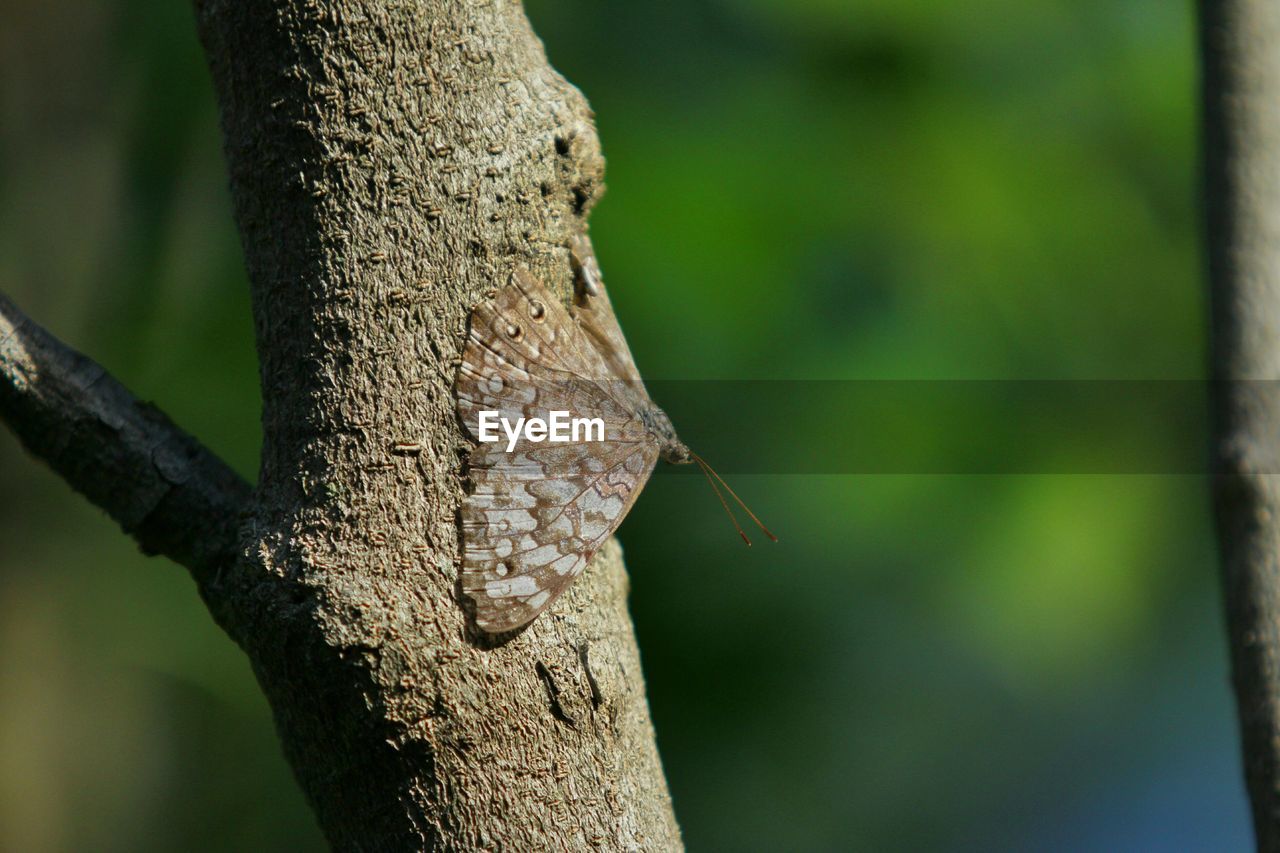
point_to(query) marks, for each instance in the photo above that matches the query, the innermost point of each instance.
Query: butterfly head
(672, 448)
(675, 452)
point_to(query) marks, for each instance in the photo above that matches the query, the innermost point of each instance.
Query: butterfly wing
(537, 513)
(594, 313)
(530, 529)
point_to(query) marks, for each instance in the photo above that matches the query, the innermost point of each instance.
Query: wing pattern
(535, 514)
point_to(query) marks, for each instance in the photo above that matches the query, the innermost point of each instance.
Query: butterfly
(537, 510)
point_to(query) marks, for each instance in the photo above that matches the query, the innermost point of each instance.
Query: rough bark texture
(1239, 40)
(390, 163)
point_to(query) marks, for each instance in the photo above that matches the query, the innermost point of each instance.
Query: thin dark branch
(162, 486)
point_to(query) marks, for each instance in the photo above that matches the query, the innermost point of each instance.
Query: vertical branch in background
(1240, 46)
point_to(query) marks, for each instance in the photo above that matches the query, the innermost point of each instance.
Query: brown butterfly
(538, 509)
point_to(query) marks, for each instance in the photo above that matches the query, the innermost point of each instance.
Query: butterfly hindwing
(530, 532)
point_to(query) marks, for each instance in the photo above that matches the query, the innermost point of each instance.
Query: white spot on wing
(541, 556)
(565, 564)
(594, 525)
(523, 585)
(557, 492)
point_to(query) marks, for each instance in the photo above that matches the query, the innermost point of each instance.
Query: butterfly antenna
(707, 468)
(706, 472)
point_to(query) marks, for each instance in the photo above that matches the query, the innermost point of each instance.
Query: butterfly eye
(537, 311)
(514, 332)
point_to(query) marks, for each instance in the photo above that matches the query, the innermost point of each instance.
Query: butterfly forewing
(596, 317)
(537, 511)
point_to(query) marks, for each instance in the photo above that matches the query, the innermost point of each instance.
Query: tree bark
(1241, 112)
(391, 162)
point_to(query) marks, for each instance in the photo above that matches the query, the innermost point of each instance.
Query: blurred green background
(810, 189)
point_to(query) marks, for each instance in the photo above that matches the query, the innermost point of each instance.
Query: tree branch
(1241, 113)
(161, 485)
